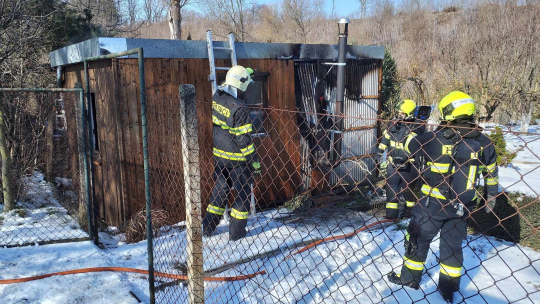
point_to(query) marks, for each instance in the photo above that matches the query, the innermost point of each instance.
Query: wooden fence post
(192, 181)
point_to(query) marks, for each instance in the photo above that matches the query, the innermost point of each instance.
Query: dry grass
(135, 229)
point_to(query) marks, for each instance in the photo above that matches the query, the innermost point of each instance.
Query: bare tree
(7, 185)
(363, 8)
(271, 24)
(175, 17)
(113, 16)
(18, 30)
(411, 6)
(231, 16)
(154, 10)
(303, 13)
(132, 7)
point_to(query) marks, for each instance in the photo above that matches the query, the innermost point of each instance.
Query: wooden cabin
(284, 83)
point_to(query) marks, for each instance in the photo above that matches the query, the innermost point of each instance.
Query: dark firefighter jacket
(456, 155)
(232, 128)
(394, 138)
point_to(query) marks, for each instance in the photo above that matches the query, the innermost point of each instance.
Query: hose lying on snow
(338, 237)
(184, 277)
(132, 270)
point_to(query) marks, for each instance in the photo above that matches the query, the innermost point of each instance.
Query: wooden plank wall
(107, 175)
(278, 152)
(122, 185)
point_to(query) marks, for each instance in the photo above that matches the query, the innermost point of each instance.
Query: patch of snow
(90, 288)
(523, 173)
(39, 218)
(351, 270)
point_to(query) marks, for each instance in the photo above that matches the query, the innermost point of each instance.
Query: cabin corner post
(192, 180)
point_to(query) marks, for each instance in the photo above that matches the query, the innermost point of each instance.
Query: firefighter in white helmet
(234, 153)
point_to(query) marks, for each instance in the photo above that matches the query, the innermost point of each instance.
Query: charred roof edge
(162, 48)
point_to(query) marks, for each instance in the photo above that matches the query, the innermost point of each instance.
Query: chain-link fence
(44, 195)
(338, 211)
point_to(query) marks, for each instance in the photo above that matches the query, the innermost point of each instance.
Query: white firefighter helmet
(238, 77)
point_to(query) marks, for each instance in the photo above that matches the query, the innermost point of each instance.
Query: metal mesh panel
(324, 238)
(44, 143)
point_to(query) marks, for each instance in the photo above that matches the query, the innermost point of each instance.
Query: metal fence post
(192, 180)
(83, 161)
(147, 192)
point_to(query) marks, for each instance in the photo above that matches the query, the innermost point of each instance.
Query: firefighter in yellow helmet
(234, 153)
(456, 153)
(401, 172)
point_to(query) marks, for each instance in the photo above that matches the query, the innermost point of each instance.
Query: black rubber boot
(448, 296)
(406, 213)
(396, 279)
(391, 214)
(237, 229)
(210, 223)
(207, 232)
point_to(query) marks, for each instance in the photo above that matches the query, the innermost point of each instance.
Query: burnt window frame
(256, 109)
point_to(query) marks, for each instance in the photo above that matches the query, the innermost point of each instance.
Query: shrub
(135, 228)
(451, 9)
(300, 203)
(515, 218)
(20, 212)
(504, 157)
(391, 86)
(51, 211)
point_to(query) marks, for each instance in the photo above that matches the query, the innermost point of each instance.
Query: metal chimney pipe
(59, 71)
(343, 27)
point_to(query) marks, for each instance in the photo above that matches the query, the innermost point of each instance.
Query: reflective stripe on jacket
(454, 162)
(232, 128)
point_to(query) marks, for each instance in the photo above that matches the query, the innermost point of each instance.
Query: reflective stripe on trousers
(451, 271)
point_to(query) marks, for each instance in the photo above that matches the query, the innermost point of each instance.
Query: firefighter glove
(256, 168)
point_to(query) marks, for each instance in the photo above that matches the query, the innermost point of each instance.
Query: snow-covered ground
(98, 288)
(523, 174)
(39, 218)
(345, 271)
(352, 270)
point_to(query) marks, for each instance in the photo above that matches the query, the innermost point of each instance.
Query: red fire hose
(338, 237)
(183, 277)
(132, 270)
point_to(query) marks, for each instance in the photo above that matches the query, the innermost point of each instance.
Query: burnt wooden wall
(119, 176)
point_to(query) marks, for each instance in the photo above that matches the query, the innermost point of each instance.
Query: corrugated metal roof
(162, 48)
